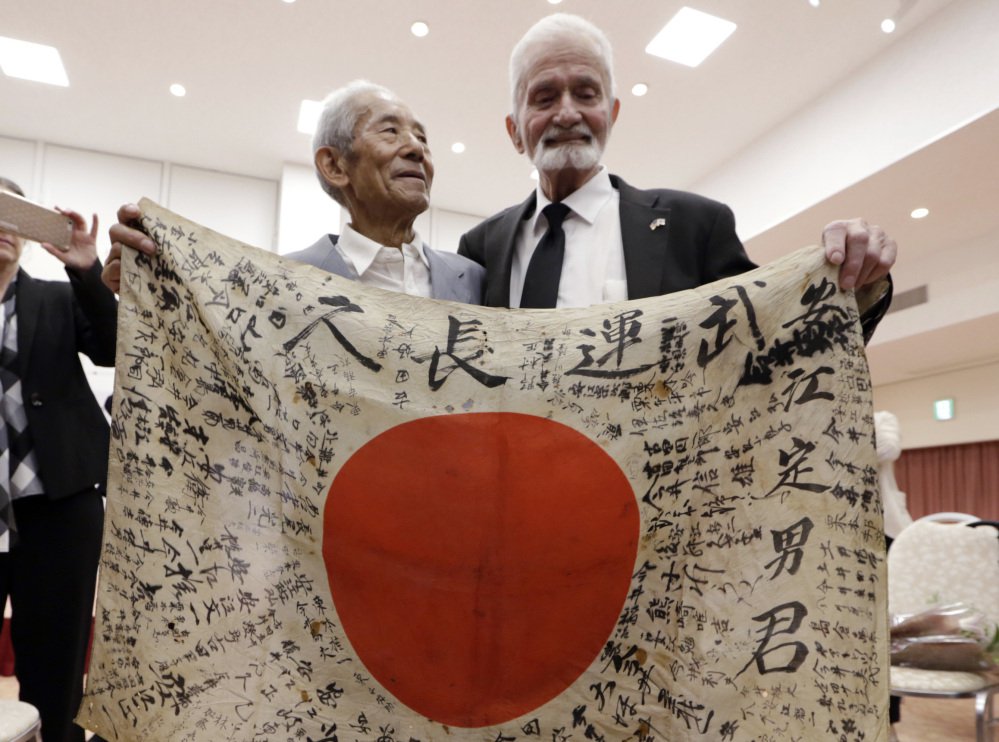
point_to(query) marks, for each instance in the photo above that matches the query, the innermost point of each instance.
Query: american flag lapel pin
(656, 223)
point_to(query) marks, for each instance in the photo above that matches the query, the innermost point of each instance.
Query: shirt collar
(585, 202)
(362, 251)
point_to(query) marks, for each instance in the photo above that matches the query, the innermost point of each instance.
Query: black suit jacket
(55, 322)
(673, 241)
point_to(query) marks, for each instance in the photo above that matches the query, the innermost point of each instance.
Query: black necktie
(545, 269)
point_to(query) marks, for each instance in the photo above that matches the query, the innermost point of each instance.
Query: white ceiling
(247, 64)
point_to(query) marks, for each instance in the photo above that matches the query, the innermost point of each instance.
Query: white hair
(337, 121)
(558, 27)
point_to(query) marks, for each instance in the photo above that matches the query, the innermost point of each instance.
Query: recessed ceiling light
(179, 90)
(534, 174)
(457, 148)
(887, 25)
(814, 3)
(690, 37)
(308, 116)
(29, 61)
(639, 89)
(920, 213)
(289, 1)
(420, 29)
(554, 2)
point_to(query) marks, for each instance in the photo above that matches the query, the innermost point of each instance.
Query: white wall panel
(237, 206)
(423, 225)
(90, 183)
(17, 163)
(306, 212)
(449, 226)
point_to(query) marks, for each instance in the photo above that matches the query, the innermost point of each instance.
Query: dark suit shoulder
(83, 288)
(676, 240)
(494, 230)
(472, 244)
(687, 199)
(667, 198)
(701, 217)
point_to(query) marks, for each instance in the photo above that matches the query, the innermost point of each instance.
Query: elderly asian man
(372, 156)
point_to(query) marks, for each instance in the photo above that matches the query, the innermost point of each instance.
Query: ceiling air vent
(910, 298)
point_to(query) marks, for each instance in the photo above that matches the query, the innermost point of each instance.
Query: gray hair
(337, 121)
(552, 29)
(7, 184)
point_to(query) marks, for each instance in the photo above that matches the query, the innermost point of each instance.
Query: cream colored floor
(8, 687)
(930, 720)
(923, 719)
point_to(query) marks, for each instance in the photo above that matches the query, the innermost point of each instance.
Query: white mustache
(559, 132)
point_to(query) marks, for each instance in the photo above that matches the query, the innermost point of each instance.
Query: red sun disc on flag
(479, 562)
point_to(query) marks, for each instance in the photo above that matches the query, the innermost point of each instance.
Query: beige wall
(918, 344)
(975, 392)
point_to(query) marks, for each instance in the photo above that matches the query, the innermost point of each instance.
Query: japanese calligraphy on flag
(340, 513)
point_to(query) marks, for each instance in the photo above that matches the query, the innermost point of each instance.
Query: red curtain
(6, 650)
(962, 479)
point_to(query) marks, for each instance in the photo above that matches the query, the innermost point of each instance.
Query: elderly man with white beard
(601, 239)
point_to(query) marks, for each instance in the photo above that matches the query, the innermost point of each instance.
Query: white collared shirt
(405, 270)
(593, 268)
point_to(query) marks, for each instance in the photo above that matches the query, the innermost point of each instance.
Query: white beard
(572, 155)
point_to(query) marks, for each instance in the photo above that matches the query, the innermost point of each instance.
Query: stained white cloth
(645, 495)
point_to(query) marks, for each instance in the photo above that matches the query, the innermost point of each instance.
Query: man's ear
(330, 164)
(511, 129)
(615, 109)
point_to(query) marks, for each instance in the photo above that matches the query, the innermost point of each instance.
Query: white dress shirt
(593, 268)
(406, 270)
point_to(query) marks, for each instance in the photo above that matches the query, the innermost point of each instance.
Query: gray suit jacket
(452, 277)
